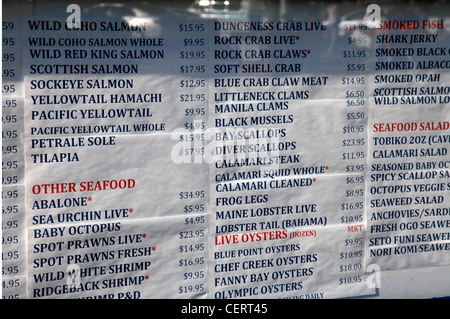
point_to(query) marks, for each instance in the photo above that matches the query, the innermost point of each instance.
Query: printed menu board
(217, 154)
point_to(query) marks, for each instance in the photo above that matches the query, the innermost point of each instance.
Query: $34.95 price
(192, 194)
